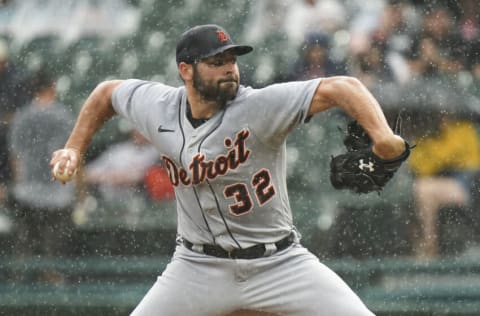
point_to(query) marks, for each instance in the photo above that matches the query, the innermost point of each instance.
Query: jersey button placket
(191, 148)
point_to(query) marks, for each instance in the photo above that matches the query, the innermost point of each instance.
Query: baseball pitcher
(224, 147)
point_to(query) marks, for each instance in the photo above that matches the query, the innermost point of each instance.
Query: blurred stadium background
(118, 250)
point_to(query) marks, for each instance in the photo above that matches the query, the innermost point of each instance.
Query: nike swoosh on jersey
(165, 130)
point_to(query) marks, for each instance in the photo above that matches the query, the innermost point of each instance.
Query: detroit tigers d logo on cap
(203, 41)
(222, 36)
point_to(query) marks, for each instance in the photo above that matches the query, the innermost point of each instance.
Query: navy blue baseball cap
(205, 41)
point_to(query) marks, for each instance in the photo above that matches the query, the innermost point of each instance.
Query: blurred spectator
(390, 23)
(446, 160)
(311, 16)
(438, 49)
(266, 18)
(314, 60)
(13, 94)
(377, 52)
(371, 67)
(42, 206)
(117, 175)
(70, 19)
(445, 164)
(468, 19)
(265, 26)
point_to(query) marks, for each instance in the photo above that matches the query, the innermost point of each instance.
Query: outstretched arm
(96, 110)
(353, 97)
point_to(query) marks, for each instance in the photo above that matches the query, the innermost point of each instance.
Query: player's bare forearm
(353, 97)
(96, 110)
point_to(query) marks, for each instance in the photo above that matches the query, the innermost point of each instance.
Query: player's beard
(220, 91)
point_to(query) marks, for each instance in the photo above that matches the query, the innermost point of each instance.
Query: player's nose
(230, 65)
(229, 69)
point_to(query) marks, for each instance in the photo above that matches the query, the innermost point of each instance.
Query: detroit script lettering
(201, 169)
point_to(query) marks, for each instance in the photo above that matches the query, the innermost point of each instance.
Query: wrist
(390, 147)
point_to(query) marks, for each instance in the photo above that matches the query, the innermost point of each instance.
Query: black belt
(253, 252)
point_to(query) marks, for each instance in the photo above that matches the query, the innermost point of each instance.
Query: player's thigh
(300, 285)
(324, 290)
(188, 287)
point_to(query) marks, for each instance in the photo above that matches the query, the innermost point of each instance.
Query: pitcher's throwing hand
(64, 164)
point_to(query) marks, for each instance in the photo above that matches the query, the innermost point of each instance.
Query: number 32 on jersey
(262, 187)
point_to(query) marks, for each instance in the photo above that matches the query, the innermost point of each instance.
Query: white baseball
(63, 176)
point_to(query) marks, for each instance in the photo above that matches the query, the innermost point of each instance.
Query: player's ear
(186, 71)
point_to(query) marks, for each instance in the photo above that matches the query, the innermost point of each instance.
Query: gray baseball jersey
(229, 176)
(229, 173)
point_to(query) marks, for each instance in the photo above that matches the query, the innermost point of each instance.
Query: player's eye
(219, 62)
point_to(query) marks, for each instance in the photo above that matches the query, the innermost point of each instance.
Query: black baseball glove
(360, 170)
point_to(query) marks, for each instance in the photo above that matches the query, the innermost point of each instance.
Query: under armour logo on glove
(363, 165)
